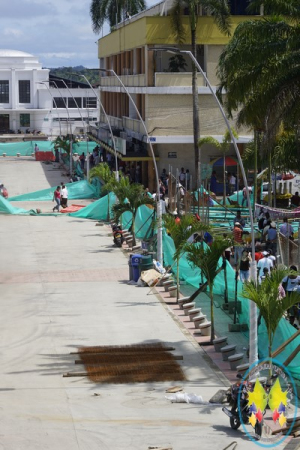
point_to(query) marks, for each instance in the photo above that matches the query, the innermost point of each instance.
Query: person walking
(238, 242)
(82, 160)
(64, 196)
(264, 263)
(56, 197)
(286, 229)
(245, 266)
(271, 243)
(291, 284)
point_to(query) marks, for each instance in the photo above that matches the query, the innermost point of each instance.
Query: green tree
(113, 11)
(180, 232)
(219, 9)
(259, 70)
(62, 143)
(271, 305)
(209, 260)
(107, 179)
(131, 197)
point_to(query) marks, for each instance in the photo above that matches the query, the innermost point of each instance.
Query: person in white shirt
(263, 263)
(232, 182)
(64, 196)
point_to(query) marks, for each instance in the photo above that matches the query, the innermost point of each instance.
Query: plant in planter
(180, 233)
(131, 197)
(210, 262)
(103, 172)
(271, 304)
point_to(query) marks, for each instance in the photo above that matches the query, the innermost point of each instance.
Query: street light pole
(71, 136)
(53, 99)
(83, 124)
(159, 209)
(253, 352)
(108, 122)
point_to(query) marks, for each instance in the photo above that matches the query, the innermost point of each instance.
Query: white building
(31, 100)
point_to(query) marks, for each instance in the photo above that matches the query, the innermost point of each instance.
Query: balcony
(128, 80)
(133, 125)
(178, 79)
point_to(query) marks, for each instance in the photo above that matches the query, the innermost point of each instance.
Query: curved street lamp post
(108, 122)
(253, 352)
(159, 208)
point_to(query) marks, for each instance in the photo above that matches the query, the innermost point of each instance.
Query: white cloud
(58, 32)
(13, 32)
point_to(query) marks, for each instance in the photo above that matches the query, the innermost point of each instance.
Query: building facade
(137, 51)
(31, 100)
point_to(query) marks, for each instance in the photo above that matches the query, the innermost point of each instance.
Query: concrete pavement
(64, 285)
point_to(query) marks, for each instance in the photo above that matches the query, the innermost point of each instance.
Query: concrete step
(187, 306)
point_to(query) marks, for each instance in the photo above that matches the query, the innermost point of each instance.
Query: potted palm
(210, 262)
(131, 197)
(271, 304)
(180, 232)
(103, 172)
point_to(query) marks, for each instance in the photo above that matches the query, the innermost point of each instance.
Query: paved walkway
(64, 285)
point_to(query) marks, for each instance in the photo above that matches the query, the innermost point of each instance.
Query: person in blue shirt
(208, 239)
(271, 243)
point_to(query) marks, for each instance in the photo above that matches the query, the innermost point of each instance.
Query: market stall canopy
(229, 161)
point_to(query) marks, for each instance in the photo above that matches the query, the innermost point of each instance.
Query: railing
(178, 79)
(128, 80)
(114, 121)
(289, 251)
(133, 125)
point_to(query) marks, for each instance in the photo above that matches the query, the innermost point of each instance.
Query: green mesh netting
(76, 191)
(27, 148)
(24, 148)
(97, 210)
(143, 221)
(7, 208)
(284, 331)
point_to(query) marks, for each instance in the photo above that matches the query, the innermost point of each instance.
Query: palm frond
(220, 10)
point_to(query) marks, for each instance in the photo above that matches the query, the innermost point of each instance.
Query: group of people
(60, 196)
(231, 183)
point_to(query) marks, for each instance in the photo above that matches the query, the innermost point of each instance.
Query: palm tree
(103, 172)
(180, 233)
(219, 9)
(113, 11)
(131, 197)
(260, 71)
(209, 260)
(271, 305)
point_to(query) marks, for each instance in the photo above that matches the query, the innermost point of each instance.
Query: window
(25, 120)
(90, 102)
(74, 104)
(4, 91)
(24, 91)
(59, 102)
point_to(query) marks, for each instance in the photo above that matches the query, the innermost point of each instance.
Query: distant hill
(66, 72)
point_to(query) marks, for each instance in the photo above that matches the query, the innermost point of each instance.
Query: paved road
(64, 285)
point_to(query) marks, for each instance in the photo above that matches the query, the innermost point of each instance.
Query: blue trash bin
(135, 263)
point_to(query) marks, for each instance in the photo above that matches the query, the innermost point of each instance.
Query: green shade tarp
(76, 191)
(284, 330)
(96, 210)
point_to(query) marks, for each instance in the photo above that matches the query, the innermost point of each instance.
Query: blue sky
(58, 32)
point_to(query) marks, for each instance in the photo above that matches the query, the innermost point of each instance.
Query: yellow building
(163, 98)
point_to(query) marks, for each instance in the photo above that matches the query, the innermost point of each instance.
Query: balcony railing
(178, 79)
(128, 80)
(133, 125)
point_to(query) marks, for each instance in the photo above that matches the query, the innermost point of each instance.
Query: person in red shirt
(258, 253)
(56, 197)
